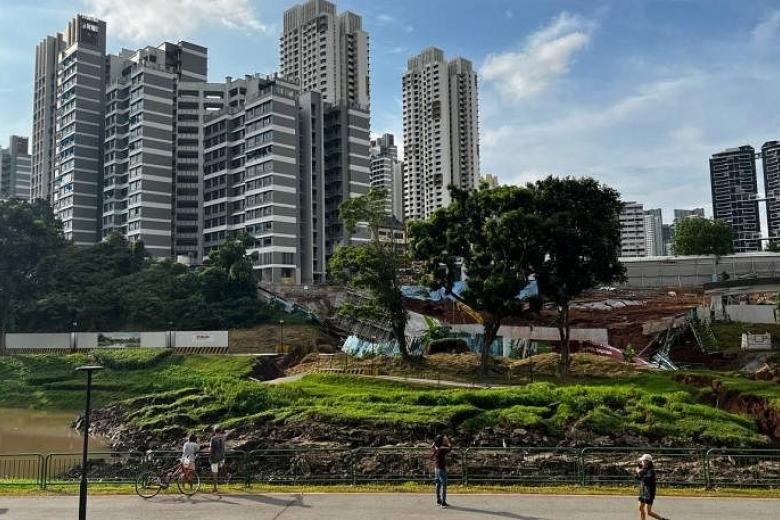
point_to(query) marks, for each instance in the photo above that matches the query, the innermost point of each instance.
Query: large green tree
(374, 266)
(492, 235)
(580, 234)
(701, 236)
(29, 234)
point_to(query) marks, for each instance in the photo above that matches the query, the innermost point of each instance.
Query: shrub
(131, 359)
(448, 345)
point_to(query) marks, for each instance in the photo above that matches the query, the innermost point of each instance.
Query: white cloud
(546, 55)
(151, 21)
(651, 141)
(767, 28)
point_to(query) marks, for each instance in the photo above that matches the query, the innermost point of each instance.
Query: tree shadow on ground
(501, 514)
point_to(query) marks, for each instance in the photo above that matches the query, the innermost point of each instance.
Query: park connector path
(381, 506)
(399, 379)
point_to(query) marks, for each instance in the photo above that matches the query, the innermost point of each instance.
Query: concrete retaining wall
(752, 313)
(597, 336)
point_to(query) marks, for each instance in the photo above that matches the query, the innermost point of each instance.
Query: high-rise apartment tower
(734, 194)
(632, 230)
(326, 52)
(44, 113)
(78, 140)
(441, 131)
(15, 169)
(770, 153)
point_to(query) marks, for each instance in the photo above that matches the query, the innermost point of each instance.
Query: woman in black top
(645, 474)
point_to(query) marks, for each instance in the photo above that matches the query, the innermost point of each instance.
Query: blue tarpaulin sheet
(418, 292)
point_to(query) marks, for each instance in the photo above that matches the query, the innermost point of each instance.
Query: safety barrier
(21, 468)
(617, 465)
(590, 466)
(755, 468)
(528, 465)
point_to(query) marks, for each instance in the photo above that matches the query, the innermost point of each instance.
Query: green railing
(590, 466)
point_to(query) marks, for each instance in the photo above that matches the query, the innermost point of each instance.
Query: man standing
(441, 447)
(217, 454)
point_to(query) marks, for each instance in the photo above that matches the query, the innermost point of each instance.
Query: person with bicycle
(188, 453)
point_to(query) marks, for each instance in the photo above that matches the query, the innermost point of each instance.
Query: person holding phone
(440, 448)
(645, 474)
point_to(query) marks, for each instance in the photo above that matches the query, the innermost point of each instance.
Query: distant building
(398, 191)
(683, 213)
(770, 153)
(734, 195)
(143, 198)
(326, 53)
(15, 167)
(441, 134)
(654, 239)
(490, 179)
(632, 230)
(668, 238)
(277, 166)
(384, 160)
(44, 114)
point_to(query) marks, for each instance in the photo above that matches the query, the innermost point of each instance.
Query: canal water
(35, 431)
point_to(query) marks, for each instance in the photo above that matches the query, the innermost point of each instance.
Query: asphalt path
(381, 506)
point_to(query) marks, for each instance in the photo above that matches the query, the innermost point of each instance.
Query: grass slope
(170, 394)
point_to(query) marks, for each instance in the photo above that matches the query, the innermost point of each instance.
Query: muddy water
(33, 431)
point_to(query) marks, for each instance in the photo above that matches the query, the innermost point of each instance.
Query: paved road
(380, 507)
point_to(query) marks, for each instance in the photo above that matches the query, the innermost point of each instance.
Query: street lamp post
(281, 335)
(73, 338)
(89, 369)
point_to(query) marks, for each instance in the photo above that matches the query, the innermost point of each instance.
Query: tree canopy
(374, 266)
(47, 284)
(29, 235)
(701, 236)
(580, 237)
(493, 235)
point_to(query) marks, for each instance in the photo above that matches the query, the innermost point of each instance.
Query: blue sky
(635, 93)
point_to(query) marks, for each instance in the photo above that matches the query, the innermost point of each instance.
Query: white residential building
(632, 230)
(441, 131)
(325, 52)
(654, 238)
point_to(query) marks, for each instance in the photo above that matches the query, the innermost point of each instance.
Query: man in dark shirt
(441, 447)
(217, 454)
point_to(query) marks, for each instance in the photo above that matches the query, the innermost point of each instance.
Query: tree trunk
(490, 332)
(3, 327)
(399, 333)
(564, 332)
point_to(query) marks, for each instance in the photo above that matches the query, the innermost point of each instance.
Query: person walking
(441, 447)
(216, 454)
(645, 474)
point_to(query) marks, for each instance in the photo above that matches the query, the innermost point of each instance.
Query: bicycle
(149, 483)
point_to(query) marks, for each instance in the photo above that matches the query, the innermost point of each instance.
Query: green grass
(169, 395)
(51, 382)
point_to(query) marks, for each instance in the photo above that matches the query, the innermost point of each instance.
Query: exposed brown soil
(266, 338)
(766, 416)
(465, 367)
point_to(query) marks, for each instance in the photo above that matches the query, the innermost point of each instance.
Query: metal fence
(590, 466)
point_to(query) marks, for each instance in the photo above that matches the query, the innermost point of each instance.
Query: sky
(637, 94)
